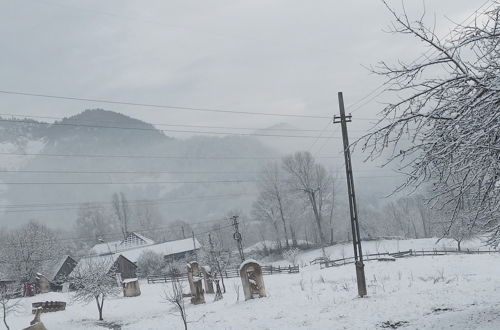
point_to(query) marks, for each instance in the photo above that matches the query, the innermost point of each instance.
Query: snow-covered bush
(291, 255)
(150, 263)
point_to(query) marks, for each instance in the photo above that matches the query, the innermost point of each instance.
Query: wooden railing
(228, 273)
(324, 263)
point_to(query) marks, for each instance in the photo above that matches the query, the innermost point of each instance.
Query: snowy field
(438, 292)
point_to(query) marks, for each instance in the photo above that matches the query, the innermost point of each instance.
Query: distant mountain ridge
(195, 159)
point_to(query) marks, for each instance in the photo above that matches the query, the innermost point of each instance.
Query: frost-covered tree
(444, 126)
(274, 199)
(29, 249)
(94, 280)
(312, 182)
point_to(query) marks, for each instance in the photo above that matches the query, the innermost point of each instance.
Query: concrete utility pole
(356, 237)
(237, 237)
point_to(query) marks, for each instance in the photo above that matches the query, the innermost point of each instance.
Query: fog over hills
(139, 153)
(49, 169)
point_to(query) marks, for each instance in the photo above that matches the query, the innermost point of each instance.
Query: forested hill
(77, 160)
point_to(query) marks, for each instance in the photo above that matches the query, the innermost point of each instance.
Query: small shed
(131, 287)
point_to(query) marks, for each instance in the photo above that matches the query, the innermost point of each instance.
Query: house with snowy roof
(54, 274)
(132, 240)
(113, 264)
(135, 244)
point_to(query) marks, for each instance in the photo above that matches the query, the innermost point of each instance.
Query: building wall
(126, 268)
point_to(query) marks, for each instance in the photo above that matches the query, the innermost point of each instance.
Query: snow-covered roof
(133, 240)
(165, 249)
(108, 247)
(52, 270)
(129, 280)
(4, 277)
(106, 261)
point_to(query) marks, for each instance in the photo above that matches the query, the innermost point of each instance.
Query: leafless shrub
(176, 298)
(8, 302)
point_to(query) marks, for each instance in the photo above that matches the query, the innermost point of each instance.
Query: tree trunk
(5, 316)
(283, 219)
(458, 244)
(294, 237)
(99, 306)
(317, 217)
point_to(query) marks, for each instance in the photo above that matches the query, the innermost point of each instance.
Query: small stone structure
(195, 283)
(36, 324)
(207, 278)
(131, 287)
(48, 306)
(252, 280)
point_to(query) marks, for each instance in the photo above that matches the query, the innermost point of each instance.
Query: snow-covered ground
(438, 292)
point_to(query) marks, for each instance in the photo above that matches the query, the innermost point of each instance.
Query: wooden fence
(386, 256)
(228, 273)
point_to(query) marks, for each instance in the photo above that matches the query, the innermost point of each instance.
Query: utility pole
(356, 238)
(237, 237)
(194, 246)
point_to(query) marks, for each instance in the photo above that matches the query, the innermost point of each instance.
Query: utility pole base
(360, 276)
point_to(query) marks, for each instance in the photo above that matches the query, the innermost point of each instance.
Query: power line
(124, 172)
(159, 106)
(130, 182)
(117, 234)
(132, 172)
(96, 204)
(26, 116)
(145, 156)
(158, 130)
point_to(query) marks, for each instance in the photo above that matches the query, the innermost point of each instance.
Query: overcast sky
(273, 56)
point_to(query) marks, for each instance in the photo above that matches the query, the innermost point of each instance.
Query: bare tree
(94, 279)
(264, 209)
(122, 212)
(176, 298)
(313, 182)
(93, 220)
(447, 108)
(147, 218)
(8, 302)
(29, 249)
(272, 188)
(216, 256)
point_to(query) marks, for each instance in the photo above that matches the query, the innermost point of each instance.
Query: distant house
(132, 240)
(169, 250)
(114, 263)
(5, 280)
(57, 273)
(135, 244)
